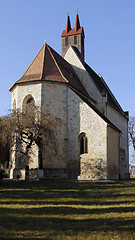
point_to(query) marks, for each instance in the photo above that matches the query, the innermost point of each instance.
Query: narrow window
(66, 41)
(75, 39)
(83, 143)
(28, 103)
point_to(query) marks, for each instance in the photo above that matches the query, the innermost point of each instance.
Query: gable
(98, 81)
(81, 72)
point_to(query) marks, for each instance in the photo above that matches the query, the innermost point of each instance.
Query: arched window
(83, 143)
(28, 103)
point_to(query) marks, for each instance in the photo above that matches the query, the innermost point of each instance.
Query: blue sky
(109, 40)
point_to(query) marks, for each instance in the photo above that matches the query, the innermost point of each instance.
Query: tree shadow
(66, 207)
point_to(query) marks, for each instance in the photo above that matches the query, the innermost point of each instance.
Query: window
(66, 41)
(28, 103)
(75, 39)
(83, 143)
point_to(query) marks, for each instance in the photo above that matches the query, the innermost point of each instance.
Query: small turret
(74, 37)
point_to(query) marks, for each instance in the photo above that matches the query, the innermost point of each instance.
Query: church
(93, 136)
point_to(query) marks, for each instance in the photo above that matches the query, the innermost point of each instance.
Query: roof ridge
(119, 108)
(56, 63)
(45, 44)
(111, 93)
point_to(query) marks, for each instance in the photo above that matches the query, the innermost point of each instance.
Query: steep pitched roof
(50, 66)
(100, 84)
(68, 26)
(77, 23)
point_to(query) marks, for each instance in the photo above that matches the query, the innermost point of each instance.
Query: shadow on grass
(73, 218)
(56, 225)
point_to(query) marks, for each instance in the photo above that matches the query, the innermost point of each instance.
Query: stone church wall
(54, 101)
(18, 160)
(85, 78)
(81, 118)
(121, 123)
(113, 138)
(20, 93)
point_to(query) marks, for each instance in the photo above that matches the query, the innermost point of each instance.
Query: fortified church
(93, 137)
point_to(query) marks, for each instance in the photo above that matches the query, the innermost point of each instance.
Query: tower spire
(77, 22)
(68, 26)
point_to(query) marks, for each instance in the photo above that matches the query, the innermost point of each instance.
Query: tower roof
(77, 23)
(73, 31)
(68, 26)
(48, 65)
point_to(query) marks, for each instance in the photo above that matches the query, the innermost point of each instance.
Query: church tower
(74, 37)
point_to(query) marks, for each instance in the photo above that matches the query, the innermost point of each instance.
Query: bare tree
(4, 151)
(29, 127)
(131, 131)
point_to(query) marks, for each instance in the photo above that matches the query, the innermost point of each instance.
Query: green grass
(63, 210)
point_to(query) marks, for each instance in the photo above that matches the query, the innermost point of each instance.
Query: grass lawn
(67, 210)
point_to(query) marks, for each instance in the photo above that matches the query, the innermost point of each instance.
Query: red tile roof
(50, 66)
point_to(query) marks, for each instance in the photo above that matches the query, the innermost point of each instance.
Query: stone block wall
(18, 96)
(121, 123)
(113, 153)
(54, 101)
(85, 79)
(78, 44)
(92, 169)
(81, 118)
